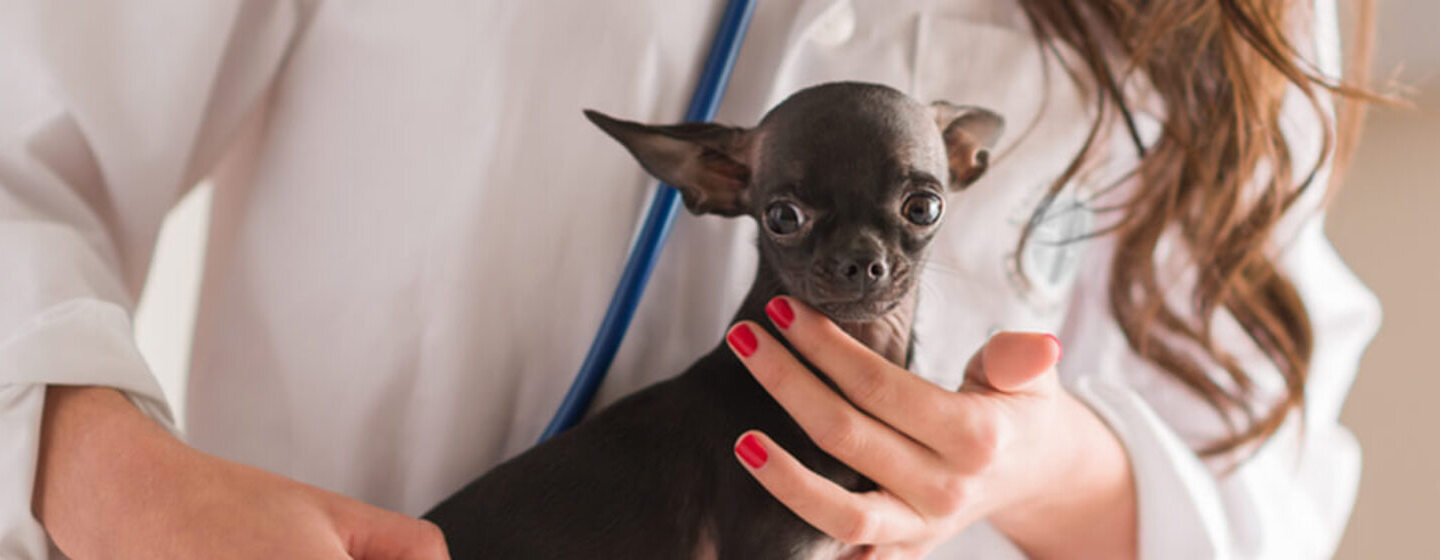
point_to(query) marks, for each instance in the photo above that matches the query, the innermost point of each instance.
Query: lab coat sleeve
(1292, 498)
(109, 112)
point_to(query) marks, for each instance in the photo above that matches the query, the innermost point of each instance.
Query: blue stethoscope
(656, 228)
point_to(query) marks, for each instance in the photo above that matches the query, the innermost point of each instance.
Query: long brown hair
(1219, 178)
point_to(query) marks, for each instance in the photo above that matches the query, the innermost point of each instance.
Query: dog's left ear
(707, 162)
(969, 133)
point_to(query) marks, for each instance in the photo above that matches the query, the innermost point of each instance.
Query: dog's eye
(922, 209)
(784, 218)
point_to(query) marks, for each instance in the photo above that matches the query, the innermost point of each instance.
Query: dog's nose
(863, 271)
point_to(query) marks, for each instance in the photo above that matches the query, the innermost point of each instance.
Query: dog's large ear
(969, 133)
(707, 162)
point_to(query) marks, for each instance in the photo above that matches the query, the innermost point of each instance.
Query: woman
(414, 232)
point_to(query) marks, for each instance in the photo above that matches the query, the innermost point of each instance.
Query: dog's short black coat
(654, 475)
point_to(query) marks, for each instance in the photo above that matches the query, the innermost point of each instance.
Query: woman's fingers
(891, 393)
(868, 518)
(1013, 362)
(870, 447)
(927, 444)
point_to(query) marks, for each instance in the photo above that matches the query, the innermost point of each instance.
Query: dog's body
(652, 476)
(843, 178)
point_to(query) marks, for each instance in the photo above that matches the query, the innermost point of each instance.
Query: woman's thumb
(1012, 361)
(383, 535)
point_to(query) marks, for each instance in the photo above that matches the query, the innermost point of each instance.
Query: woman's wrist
(1086, 504)
(94, 446)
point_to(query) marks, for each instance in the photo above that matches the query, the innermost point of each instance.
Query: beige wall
(1386, 223)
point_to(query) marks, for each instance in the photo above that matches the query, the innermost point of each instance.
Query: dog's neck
(888, 335)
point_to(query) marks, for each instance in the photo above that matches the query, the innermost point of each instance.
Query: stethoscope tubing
(655, 230)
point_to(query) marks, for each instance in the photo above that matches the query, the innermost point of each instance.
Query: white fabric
(415, 234)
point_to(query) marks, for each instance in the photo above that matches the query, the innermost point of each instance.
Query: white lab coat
(415, 234)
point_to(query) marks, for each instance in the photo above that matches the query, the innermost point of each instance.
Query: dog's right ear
(707, 162)
(969, 134)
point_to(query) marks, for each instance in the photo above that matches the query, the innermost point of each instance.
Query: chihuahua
(847, 182)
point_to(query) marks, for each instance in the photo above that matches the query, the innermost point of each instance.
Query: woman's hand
(1011, 445)
(113, 484)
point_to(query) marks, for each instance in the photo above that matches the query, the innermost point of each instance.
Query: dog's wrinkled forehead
(848, 133)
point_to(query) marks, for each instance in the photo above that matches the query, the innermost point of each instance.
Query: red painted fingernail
(751, 452)
(1059, 348)
(742, 340)
(779, 311)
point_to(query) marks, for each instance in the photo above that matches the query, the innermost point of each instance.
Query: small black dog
(847, 182)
